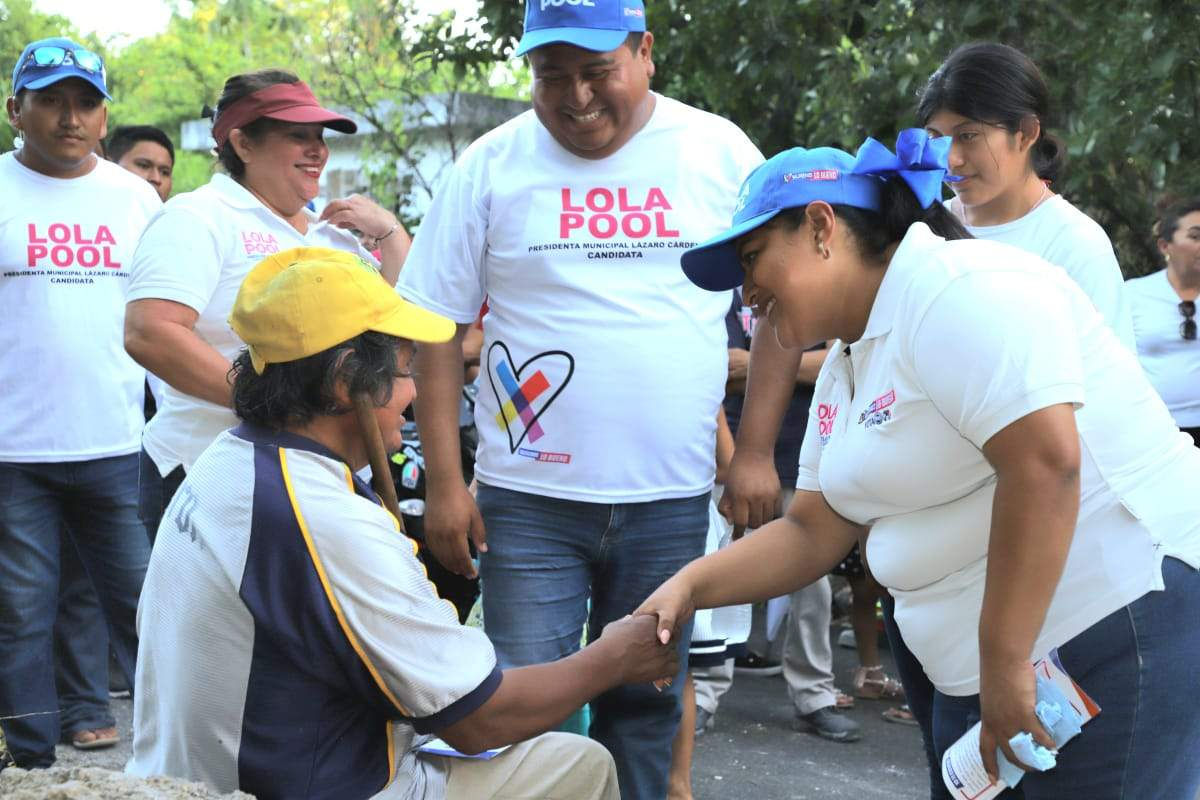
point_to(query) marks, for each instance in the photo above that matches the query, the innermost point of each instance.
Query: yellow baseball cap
(299, 302)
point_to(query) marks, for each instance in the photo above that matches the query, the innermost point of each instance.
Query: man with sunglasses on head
(71, 416)
(601, 371)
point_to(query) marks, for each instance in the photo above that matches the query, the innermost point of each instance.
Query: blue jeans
(918, 694)
(545, 558)
(1139, 665)
(80, 648)
(155, 492)
(95, 504)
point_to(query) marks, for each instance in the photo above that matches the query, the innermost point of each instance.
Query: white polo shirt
(603, 366)
(965, 338)
(1172, 363)
(196, 252)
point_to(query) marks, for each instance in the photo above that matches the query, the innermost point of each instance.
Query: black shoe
(752, 664)
(828, 724)
(704, 721)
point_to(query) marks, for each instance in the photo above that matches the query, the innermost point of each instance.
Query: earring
(823, 250)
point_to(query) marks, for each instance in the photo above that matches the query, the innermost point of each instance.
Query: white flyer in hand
(962, 765)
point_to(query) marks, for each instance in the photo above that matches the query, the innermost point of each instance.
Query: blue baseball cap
(48, 61)
(791, 179)
(797, 177)
(596, 25)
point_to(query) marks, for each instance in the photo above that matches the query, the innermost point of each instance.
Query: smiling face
(992, 162)
(592, 103)
(782, 280)
(152, 162)
(391, 415)
(61, 126)
(284, 164)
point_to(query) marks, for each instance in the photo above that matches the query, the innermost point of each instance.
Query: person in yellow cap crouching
(292, 645)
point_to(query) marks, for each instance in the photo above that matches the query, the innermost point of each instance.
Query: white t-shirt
(71, 392)
(603, 366)
(1172, 363)
(965, 338)
(196, 252)
(1063, 235)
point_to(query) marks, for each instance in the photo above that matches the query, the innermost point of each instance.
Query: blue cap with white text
(48, 61)
(797, 177)
(596, 25)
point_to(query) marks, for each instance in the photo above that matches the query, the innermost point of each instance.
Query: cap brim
(714, 264)
(598, 41)
(410, 321)
(315, 114)
(53, 78)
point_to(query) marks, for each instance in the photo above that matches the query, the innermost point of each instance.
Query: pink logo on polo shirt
(826, 414)
(66, 245)
(879, 411)
(602, 213)
(259, 243)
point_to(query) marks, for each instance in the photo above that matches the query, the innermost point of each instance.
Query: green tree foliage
(1125, 78)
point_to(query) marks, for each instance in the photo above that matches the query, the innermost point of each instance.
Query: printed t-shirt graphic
(604, 365)
(71, 391)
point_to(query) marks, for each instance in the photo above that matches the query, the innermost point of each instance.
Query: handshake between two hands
(645, 642)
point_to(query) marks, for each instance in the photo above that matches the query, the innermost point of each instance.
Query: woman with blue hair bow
(1017, 484)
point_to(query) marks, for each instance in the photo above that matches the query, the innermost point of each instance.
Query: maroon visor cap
(287, 102)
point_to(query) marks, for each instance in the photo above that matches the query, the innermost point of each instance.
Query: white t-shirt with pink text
(603, 366)
(70, 392)
(196, 252)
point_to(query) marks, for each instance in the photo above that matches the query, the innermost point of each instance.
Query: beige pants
(554, 766)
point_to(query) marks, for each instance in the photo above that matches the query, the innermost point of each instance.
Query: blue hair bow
(922, 161)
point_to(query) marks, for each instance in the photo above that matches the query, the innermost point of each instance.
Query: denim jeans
(95, 504)
(1139, 665)
(155, 492)
(80, 648)
(918, 694)
(545, 558)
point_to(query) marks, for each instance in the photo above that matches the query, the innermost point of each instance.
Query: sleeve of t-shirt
(810, 448)
(433, 670)
(1090, 261)
(992, 348)
(178, 258)
(444, 269)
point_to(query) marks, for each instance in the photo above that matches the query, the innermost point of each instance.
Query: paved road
(751, 754)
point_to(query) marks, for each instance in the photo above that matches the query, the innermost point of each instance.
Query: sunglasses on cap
(50, 55)
(1188, 327)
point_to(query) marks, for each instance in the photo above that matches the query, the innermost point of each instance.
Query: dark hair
(875, 231)
(294, 392)
(1168, 222)
(634, 40)
(998, 85)
(235, 89)
(125, 137)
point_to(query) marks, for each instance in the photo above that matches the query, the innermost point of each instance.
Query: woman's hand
(1007, 696)
(360, 213)
(672, 604)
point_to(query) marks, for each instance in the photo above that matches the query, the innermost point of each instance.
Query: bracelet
(373, 242)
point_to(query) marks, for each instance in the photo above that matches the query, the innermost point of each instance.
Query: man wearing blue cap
(602, 367)
(71, 421)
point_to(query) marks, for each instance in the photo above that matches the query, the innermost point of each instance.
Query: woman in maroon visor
(269, 131)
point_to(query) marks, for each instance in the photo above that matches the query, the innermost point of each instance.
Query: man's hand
(451, 518)
(637, 652)
(751, 497)
(671, 605)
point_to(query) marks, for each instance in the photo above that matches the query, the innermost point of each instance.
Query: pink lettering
(602, 226)
(104, 236)
(568, 223)
(88, 256)
(33, 237)
(599, 200)
(61, 256)
(60, 233)
(636, 226)
(35, 252)
(108, 262)
(660, 225)
(623, 201)
(656, 199)
(566, 201)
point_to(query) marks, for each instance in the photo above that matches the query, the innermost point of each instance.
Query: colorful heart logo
(524, 393)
